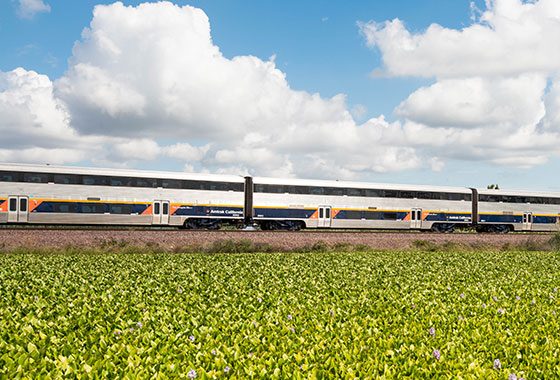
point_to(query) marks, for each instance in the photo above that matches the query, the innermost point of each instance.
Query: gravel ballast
(175, 239)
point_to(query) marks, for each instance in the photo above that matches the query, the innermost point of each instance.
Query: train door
(18, 209)
(160, 213)
(416, 218)
(325, 217)
(527, 221)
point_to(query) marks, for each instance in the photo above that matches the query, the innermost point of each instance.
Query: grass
(330, 312)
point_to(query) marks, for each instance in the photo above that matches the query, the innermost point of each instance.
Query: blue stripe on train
(283, 213)
(97, 208)
(209, 211)
(537, 219)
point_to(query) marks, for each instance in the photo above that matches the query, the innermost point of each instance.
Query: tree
(493, 186)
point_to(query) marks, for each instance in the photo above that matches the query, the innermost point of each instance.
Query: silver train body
(42, 194)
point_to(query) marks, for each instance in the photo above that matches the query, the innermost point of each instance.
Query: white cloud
(29, 8)
(147, 83)
(490, 100)
(512, 37)
(152, 72)
(34, 124)
(477, 102)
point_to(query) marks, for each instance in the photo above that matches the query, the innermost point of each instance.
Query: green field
(308, 315)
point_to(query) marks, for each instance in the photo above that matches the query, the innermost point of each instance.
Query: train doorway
(18, 209)
(527, 221)
(160, 214)
(416, 218)
(325, 217)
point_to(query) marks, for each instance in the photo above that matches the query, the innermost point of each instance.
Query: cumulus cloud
(153, 72)
(29, 8)
(34, 124)
(147, 83)
(492, 97)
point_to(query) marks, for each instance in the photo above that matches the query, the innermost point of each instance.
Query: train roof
(120, 172)
(523, 193)
(361, 185)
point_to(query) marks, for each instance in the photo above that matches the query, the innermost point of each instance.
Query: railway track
(176, 240)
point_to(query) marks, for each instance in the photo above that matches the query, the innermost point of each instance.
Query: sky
(439, 92)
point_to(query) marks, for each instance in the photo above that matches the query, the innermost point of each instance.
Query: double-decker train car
(43, 194)
(504, 211)
(294, 204)
(36, 194)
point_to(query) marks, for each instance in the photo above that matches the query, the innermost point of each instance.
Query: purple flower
(140, 325)
(501, 311)
(191, 338)
(462, 295)
(292, 329)
(131, 329)
(436, 354)
(227, 369)
(259, 299)
(517, 298)
(191, 374)
(180, 290)
(432, 331)
(512, 376)
(497, 364)
(484, 306)
(290, 317)
(495, 298)
(117, 332)
(213, 352)
(533, 302)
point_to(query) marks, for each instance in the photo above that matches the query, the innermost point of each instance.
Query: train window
(64, 207)
(302, 189)
(454, 196)
(66, 179)
(120, 181)
(92, 208)
(36, 177)
(374, 193)
(372, 215)
(165, 208)
(408, 194)
(13, 204)
(337, 191)
(320, 213)
(351, 214)
(156, 208)
(10, 177)
(390, 194)
(144, 182)
(95, 180)
(327, 213)
(23, 204)
(122, 209)
(390, 215)
(355, 192)
(171, 183)
(314, 190)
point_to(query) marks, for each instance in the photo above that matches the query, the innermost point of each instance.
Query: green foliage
(320, 314)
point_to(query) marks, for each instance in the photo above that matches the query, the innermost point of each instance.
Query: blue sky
(317, 43)
(320, 48)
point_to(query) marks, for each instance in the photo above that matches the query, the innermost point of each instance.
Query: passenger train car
(44, 194)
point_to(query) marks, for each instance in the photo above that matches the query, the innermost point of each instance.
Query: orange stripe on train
(34, 203)
(148, 211)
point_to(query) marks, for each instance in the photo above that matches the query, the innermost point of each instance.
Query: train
(63, 195)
